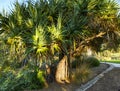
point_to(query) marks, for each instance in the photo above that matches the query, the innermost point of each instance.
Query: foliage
(109, 54)
(22, 79)
(92, 61)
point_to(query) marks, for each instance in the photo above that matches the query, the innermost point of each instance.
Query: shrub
(23, 79)
(92, 61)
(81, 74)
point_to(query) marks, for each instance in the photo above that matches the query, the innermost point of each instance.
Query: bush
(92, 61)
(23, 79)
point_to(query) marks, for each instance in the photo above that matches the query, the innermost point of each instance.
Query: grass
(81, 74)
(112, 61)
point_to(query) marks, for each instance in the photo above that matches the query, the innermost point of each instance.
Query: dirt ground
(72, 86)
(110, 82)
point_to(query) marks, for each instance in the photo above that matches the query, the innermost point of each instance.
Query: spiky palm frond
(29, 23)
(107, 8)
(33, 11)
(17, 14)
(40, 41)
(56, 30)
(57, 35)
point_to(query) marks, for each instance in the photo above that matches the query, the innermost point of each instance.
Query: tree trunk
(62, 73)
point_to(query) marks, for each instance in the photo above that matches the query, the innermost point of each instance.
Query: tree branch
(86, 41)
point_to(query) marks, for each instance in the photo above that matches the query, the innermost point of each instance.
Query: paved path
(110, 82)
(114, 64)
(94, 80)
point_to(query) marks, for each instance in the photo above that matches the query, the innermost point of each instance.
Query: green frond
(17, 13)
(39, 40)
(92, 4)
(39, 37)
(42, 50)
(29, 23)
(55, 47)
(19, 19)
(59, 21)
(11, 25)
(32, 11)
(50, 18)
(56, 34)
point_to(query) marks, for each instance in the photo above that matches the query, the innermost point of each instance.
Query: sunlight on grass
(111, 61)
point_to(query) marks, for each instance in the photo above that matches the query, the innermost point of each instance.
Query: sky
(7, 4)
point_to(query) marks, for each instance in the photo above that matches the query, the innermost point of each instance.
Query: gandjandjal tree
(48, 28)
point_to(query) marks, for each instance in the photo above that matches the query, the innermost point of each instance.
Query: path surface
(106, 81)
(109, 82)
(114, 64)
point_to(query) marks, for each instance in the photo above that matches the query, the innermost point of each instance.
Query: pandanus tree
(36, 28)
(48, 28)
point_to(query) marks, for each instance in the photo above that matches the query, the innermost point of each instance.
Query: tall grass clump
(81, 74)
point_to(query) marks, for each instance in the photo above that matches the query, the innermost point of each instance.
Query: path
(93, 81)
(109, 82)
(114, 64)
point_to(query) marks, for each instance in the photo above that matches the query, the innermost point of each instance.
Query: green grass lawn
(111, 61)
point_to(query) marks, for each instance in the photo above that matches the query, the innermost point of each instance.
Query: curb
(94, 80)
